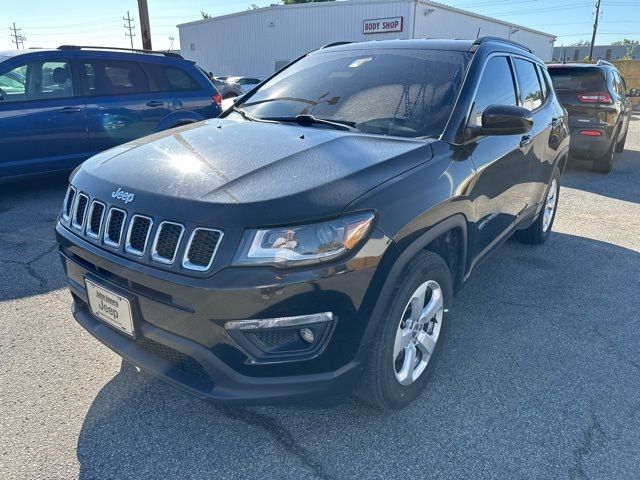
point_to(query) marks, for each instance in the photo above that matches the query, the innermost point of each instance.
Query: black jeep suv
(595, 97)
(310, 241)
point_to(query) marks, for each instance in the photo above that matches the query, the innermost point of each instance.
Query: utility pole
(145, 27)
(595, 29)
(130, 28)
(16, 37)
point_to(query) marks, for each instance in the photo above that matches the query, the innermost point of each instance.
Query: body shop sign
(382, 25)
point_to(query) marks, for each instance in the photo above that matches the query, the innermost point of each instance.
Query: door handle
(154, 103)
(526, 141)
(69, 110)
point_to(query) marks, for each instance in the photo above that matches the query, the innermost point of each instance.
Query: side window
(37, 80)
(108, 77)
(620, 85)
(543, 82)
(163, 78)
(530, 89)
(495, 88)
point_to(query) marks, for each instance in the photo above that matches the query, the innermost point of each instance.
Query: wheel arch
(454, 225)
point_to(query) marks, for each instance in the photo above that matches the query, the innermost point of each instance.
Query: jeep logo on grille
(126, 197)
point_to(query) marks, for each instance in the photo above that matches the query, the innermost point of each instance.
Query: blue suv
(60, 106)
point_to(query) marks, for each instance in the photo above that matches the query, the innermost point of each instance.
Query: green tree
(206, 15)
(626, 41)
(581, 43)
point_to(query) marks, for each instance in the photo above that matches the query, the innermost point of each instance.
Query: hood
(225, 172)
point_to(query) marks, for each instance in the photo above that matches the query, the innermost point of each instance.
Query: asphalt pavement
(539, 376)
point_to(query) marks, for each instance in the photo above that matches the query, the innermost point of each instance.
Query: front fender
(178, 118)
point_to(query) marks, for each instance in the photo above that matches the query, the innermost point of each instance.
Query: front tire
(539, 231)
(410, 335)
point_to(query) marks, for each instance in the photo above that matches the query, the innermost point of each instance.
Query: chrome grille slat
(166, 242)
(95, 216)
(114, 227)
(68, 203)
(80, 211)
(201, 249)
(138, 235)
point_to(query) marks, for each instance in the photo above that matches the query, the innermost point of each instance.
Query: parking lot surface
(539, 376)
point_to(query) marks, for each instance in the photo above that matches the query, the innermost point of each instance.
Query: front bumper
(180, 322)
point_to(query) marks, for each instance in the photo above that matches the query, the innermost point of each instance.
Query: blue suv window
(163, 78)
(112, 77)
(38, 80)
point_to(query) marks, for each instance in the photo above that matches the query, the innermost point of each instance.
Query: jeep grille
(137, 235)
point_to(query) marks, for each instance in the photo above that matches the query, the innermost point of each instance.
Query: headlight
(304, 244)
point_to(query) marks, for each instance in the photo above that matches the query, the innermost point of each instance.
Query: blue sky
(47, 23)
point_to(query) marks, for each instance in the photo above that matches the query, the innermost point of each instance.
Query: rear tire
(620, 144)
(604, 164)
(393, 380)
(539, 231)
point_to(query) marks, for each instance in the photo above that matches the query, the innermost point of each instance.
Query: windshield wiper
(311, 120)
(244, 114)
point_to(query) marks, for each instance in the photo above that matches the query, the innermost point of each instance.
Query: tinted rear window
(407, 93)
(112, 77)
(573, 79)
(163, 78)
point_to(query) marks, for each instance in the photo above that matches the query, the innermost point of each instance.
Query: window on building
(280, 64)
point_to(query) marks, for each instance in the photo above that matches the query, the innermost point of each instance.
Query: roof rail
(334, 44)
(604, 62)
(481, 40)
(82, 47)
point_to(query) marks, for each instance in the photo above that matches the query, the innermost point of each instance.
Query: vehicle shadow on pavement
(538, 378)
(29, 263)
(579, 175)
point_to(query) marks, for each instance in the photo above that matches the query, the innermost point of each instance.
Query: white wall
(249, 43)
(432, 21)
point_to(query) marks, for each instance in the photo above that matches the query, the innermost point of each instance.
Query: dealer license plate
(110, 307)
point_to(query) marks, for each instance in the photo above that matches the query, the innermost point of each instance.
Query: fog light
(307, 335)
(280, 322)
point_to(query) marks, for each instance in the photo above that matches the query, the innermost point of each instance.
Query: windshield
(577, 79)
(407, 93)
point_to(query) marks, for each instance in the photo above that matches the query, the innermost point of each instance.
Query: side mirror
(634, 92)
(504, 120)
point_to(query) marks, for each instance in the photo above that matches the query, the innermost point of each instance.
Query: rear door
(536, 144)
(501, 190)
(120, 107)
(43, 125)
(181, 89)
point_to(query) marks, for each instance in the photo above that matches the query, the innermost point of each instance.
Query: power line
(129, 34)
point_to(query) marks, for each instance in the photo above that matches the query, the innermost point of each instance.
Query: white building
(258, 42)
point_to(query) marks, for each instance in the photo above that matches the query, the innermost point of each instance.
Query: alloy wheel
(418, 332)
(550, 205)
